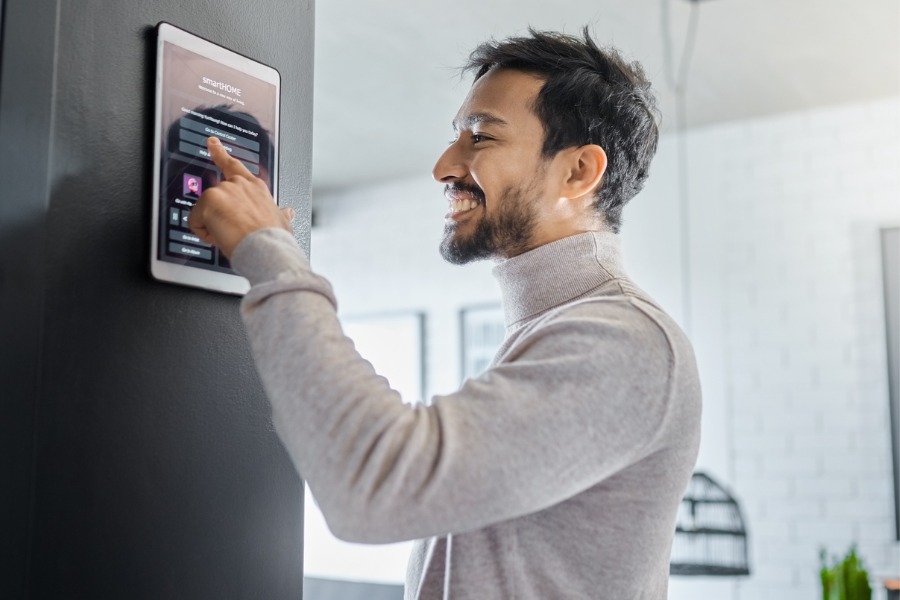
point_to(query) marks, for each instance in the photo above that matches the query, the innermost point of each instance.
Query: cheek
(496, 172)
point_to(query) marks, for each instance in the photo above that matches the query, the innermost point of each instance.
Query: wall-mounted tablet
(204, 90)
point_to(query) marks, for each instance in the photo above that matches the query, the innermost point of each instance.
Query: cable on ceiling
(677, 83)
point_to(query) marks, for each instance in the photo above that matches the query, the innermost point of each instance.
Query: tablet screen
(201, 96)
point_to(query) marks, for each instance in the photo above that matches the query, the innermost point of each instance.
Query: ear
(586, 166)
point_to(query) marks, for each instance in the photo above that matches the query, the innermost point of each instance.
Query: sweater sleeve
(570, 404)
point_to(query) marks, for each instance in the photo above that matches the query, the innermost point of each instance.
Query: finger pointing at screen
(236, 206)
(230, 166)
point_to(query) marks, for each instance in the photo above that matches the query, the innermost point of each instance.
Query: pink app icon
(192, 185)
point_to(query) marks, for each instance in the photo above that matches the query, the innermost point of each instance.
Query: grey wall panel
(155, 471)
(890, 253)
(27, 59)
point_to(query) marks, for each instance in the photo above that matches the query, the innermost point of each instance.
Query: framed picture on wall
(482, 330)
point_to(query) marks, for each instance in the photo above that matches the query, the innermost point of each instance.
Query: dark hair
(591, 95)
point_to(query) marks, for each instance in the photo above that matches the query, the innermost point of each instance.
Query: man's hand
(235, 207)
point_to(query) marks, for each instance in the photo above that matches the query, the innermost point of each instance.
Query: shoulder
(627, 318)
(618, 331)
(630, 312)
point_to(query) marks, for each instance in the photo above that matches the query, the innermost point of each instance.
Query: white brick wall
(803, 197)
(786, 312)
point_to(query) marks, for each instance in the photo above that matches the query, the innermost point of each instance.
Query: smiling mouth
(459, 206)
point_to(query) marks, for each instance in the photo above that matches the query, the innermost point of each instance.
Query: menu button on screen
(189, 251)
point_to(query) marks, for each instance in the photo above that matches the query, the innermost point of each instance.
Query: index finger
(229, 165)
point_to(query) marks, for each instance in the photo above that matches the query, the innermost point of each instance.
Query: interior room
(760, 229)
(140, 448)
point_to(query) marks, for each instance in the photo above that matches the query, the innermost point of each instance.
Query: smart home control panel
(204, 90)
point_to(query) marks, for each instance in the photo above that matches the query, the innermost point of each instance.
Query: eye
(475, 138)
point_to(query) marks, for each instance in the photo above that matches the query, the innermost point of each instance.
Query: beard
(502, 235)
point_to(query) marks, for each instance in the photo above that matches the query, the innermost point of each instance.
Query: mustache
(458, 187)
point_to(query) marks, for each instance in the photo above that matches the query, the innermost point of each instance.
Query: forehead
(501, 95)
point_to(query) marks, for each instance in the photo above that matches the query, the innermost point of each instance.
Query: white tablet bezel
(184, 274)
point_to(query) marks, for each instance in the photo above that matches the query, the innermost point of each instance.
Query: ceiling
(387, 82)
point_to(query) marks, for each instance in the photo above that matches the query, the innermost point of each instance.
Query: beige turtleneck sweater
(557, 473)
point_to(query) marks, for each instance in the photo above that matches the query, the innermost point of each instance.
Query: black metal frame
(706, 534)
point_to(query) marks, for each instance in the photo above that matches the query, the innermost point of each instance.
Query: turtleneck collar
(554, 273)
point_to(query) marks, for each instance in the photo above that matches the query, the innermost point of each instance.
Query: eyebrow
(473, 119)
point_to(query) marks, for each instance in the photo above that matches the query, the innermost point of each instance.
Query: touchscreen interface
(202, 98)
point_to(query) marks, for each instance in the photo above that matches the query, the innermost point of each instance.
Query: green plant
(844, 580)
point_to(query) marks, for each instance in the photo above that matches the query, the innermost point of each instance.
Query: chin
(460, 250)
(450, 250)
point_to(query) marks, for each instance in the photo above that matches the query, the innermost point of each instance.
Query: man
(558, 472)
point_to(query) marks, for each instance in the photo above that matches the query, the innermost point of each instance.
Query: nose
(450, 166)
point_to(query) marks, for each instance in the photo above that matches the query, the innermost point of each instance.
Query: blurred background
(764, 230)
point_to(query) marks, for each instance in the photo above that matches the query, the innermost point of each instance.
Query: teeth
(462, 204)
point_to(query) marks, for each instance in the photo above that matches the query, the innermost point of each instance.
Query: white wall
(785, 314)
(798, 201)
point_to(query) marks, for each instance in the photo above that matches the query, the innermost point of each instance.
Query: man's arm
(571, 405)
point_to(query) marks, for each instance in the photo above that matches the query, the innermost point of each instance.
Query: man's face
(499, 186)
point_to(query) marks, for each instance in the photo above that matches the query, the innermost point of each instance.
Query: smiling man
(498, 152)
(557, 473)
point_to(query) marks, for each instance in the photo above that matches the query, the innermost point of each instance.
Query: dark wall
(137, 455)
